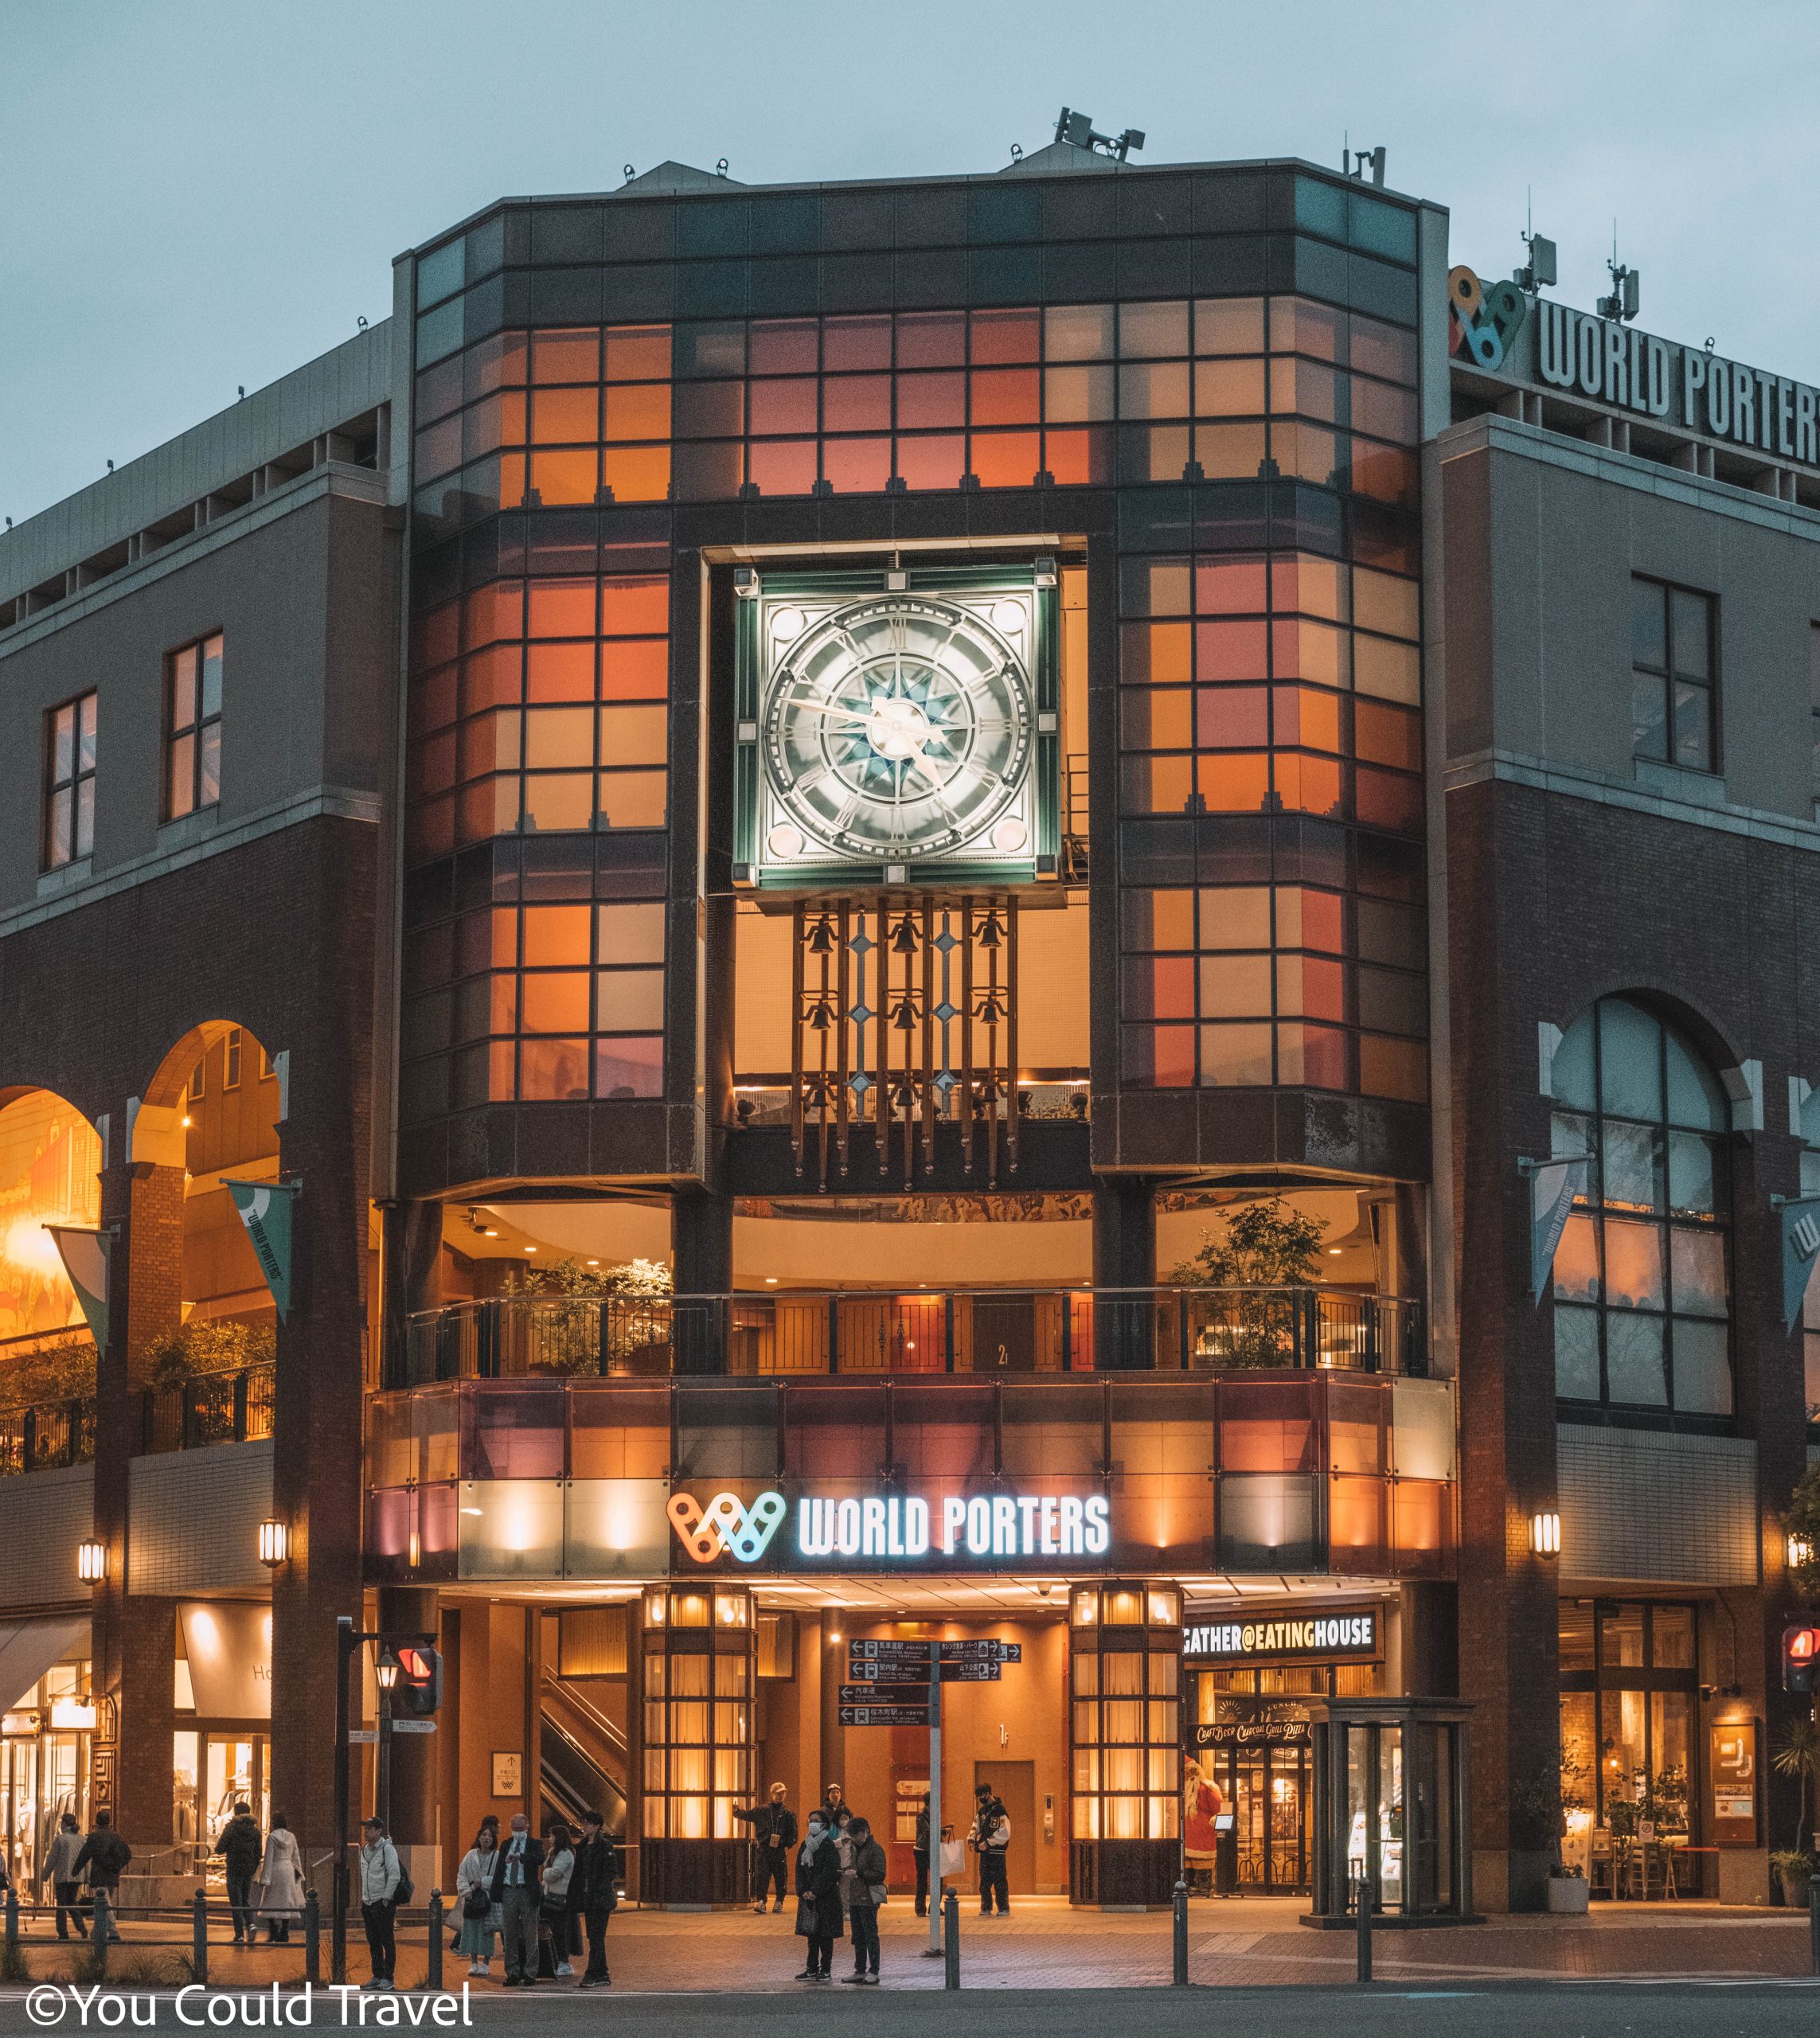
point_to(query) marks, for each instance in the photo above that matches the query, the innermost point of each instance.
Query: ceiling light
(770, 1280)
(530, 1248)
(1334, 1252)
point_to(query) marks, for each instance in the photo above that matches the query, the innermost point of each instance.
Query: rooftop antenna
(1626, 286)
(1353, 163)
(1539, 272)
(1077, 129)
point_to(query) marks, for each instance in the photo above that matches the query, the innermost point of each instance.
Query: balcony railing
(797, 1331)
(222, 1408)
(44, 1434)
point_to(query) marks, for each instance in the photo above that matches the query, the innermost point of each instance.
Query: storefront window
(44, 1768)
(1125, 1719)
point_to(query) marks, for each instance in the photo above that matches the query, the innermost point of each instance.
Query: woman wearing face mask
(480, 1916)
(819, 1898)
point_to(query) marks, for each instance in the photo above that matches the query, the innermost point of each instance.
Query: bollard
(951, 1941)
(1814, 1920)
(1181, 1975)
(199, 1938)
(1361, 1891)
(11, 1921)
(433, 1974)
(102, 1931)
(312, 1938)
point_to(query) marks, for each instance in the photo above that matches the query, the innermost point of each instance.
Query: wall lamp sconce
(92, 1561)
(1546, 1535)
(274, 1543)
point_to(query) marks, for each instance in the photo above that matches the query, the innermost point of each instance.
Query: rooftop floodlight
(1077, 130)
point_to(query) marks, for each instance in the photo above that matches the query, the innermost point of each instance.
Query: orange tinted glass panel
(782, 346)
(1233, 785)
(637, 473)
(935, 462)
(563, 477)
(931, 402)
(552, 1068)
(1387, 735)
(633, 799)
(562, 609)
(555, 1004)
(786, 405)
(856, 467)
(490, 678)
(1230, 452)
(634, 605)
(566, 354)
(1159, 987)
(558, 416)
(1231, 717)
(557, 935)
(639, 410)
(557, 737)
(1155, 718)
(1158, 920)
(1154, 651)
(638, 354)
(1006, 459)
(1156, 785)
(558, 800)
(1230, 587)
(1311, 985)
(1006, 335)
(637, 671)
(1317, 586)
(1306, 715)
(560, 671)
(931, 339)
(1006, 396)
(433, 643)
(862, 342)
(1310, 919)
(782, 466)
(1232, 650)
(1229, 388)
(1310, 650)
(1309, 785)
(856, 402)
(1314, 1054)
(1393, 1068)
(1229, 325)
(1386, 800)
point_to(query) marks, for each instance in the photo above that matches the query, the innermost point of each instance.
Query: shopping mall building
(879, 902)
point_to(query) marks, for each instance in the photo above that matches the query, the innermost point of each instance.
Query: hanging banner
(85, 1258)
(1800, 1248)
(264, 1208)
(1553, 1185)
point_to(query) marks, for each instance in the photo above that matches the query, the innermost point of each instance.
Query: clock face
(897, 727)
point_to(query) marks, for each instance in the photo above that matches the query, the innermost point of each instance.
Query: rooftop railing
(971, 1331)
(42, 1435)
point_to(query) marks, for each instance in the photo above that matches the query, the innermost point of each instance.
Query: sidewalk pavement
(1045, 1944)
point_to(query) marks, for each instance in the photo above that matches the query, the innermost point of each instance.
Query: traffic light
(1798, 1645)
(419, 1689)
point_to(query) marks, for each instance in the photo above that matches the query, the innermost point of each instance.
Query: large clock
(896, 729)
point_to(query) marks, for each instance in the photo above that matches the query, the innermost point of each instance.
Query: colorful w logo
(725, 1525)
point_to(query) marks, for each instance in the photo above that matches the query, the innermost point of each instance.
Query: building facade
(893, 878)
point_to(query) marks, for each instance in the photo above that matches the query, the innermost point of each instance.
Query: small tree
(1796, 1752)
(1800, 1520)
(1265, 1247)
(571, 1340)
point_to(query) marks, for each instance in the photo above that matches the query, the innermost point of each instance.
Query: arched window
(1642, 1296)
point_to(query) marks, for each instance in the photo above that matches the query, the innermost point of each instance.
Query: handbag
(477, 1903)
(805, 1925)
(877, 1893)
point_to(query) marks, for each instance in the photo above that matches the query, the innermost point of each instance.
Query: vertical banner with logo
(1800, 1248)
(265, 1209)
(1553, 1185)
(85, 1256)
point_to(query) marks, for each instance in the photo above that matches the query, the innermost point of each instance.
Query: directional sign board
(916, 1675)
(884, 1715)
(916, 1696)
(986, 1650)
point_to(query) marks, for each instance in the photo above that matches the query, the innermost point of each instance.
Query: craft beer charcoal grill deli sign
(1279, 1635)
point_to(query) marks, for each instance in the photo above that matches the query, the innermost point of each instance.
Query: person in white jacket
(280, 1881)
(379, 1876)
(480, 1915)
(60, 1879)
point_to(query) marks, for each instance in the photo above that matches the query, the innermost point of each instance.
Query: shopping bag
(954, 1857)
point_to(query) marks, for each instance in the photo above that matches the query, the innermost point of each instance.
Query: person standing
(863, 1885)
(104, 1854)
(1201, 1804)
(241, 1845)
(59, 1876)
(556, 1928)
(380, 1875)
(818, 1896)
(594, 1895)
(774, 1839)
(479, 1912)
(991, 1837)
(834, 1806)
(517, 1875)
(280, 1882)
(919, 1854)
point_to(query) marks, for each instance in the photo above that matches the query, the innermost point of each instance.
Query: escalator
(582, 1759)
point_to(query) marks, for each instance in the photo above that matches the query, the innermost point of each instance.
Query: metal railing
(44, 1434)
(221, 1407)
(988, 1331)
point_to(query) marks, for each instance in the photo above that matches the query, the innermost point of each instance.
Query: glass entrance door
(214, 1771)
(1268, 1790)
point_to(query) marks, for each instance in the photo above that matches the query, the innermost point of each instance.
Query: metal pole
(1181, 1975)
(199, 1938)
(934, 1799)
(1814, 1920)
(382, 1764)
(338, 1895)
(11, 1921)
(433, 1974)
(1361, 1891)
(950, 1939)
(104, 1929)
(312, 1937)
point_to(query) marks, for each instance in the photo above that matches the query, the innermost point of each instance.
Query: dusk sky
(201, 196)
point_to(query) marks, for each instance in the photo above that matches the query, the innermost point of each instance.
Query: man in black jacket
(518, 1889)
(773, 1837)
(594, 1892)
(242, 1848)
(104, 1854)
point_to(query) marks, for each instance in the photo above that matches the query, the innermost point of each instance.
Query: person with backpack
(594, 1894)
(384, 1886)
(241, 1846)
(863, 1885)
(104, 1854)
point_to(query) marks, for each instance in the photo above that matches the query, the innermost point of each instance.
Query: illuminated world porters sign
(838, 1530)
(1690, 389)
(1352, 1634)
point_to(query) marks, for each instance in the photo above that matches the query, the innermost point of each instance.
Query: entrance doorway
(216, 1769)
(1016, 1784)
(1268, 1788)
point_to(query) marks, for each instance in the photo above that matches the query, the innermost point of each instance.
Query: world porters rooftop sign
(1689, 388)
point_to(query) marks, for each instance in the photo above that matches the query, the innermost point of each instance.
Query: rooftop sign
(1689, 388)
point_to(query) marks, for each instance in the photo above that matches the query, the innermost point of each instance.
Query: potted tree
(1545, 1807)
(1266, 1258)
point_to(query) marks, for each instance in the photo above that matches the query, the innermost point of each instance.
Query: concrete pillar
(1124, 1257)
(701, 1232)
(412, 1271)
